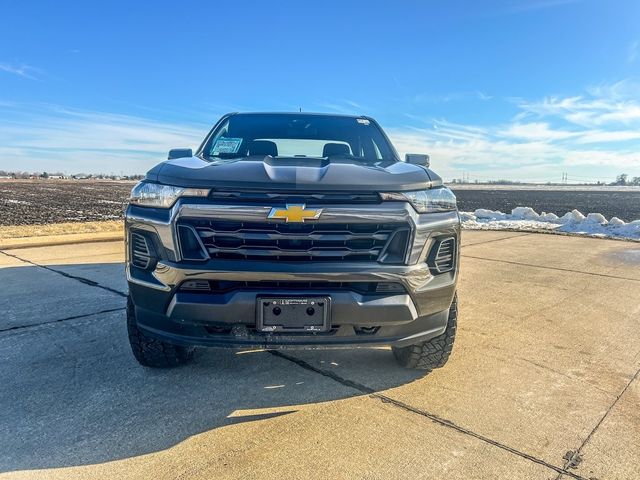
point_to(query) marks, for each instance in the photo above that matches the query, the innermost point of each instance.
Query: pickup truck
(292, 230)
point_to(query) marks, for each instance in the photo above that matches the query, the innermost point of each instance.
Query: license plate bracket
(293, 314)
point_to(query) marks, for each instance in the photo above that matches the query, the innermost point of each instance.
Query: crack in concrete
(434, 418)
(566, 375)
(73, 317)
(496, 240)
(573, 458)
(86, 281)
(349, 383)
(560, 269)
(506, 358)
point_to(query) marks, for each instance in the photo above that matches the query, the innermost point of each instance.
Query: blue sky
(521, 89)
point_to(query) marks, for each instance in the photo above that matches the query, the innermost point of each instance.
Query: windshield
(299, 135)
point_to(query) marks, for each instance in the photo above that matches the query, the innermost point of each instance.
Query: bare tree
(621, 179)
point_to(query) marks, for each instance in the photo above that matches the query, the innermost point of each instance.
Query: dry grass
(21, 231)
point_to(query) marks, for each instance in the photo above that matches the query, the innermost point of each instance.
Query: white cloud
(347, 107)
(621, 90)
(25, 71)
(497, 156)
(602, 105)
(483, 96)
(596, 134)
(535, 131)
(600, 136)
(54, 138)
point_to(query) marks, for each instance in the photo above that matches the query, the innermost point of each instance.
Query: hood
(300, 174)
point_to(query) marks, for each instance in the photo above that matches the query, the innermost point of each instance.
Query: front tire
(150, 352)
(433, 353)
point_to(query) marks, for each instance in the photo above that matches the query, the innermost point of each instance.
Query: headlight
(148, 194)
(426, 201)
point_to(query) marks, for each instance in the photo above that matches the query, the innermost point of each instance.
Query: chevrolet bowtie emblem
(295, 213)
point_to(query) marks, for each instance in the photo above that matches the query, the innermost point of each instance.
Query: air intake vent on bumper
(142, 255)
(445, 255)
(190, 244)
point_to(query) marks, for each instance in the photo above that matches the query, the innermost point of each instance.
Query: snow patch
(549, 217)
(526, 218)
(489, 214)
(597, 218)
(573, 216)
(524, 213)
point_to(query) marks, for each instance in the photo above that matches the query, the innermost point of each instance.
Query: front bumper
(229, 318)
(187, 332)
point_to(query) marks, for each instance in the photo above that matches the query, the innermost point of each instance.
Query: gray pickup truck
(292, 230)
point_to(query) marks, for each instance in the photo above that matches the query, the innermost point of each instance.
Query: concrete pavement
(542, 384)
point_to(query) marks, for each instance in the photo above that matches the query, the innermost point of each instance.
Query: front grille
(296, 242)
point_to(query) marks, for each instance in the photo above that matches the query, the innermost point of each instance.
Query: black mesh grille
(357, 242)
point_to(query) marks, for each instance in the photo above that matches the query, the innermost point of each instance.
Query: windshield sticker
(226, 145)
(363, 121)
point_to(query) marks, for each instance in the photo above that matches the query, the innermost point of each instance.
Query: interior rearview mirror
(179, 153)
(417, 159)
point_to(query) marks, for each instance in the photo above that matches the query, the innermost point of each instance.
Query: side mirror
(417, 159)
(179, 153)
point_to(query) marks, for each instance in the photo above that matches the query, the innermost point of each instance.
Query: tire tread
(433, 353)
(151, 352)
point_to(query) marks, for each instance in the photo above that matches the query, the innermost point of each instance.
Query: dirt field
(611, 203)
(41, 202)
